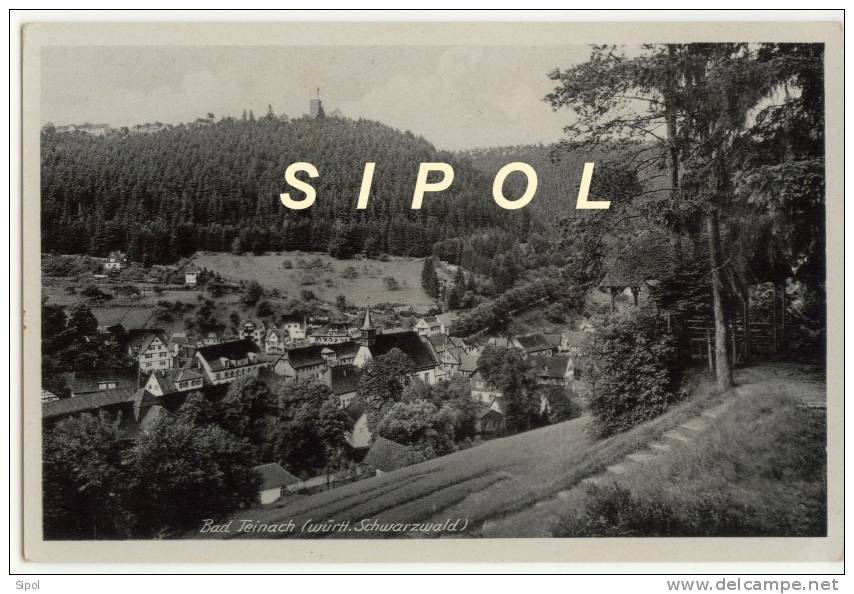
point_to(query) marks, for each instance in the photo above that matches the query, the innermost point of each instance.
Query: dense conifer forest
(165, 195)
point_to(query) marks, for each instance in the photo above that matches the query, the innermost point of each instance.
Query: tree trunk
(723, 371)
(746, 304)
(670, 119)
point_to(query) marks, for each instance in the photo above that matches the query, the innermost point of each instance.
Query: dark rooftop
(86, 402)
(83, 382)
(533, 342)
(387, 455)
(344, 379)
(410, 343)
(273, 476)
(235, 349)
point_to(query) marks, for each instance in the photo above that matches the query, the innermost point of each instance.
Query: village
(333, 351)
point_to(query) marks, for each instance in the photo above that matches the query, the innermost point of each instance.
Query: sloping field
(283, 271)
(510, 486)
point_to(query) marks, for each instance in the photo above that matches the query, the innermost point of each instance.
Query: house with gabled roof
(359, 436)
(99, 380)
(558, 370)
(332, 333)
(533, 345)
(150, 347)
(227, 361)
(276, 341)
(468, 364)
(114, 262)
(169, 381)
(386, 455)
(275, 482)
(373, 343)
(295, 326)
(446, 321)
(343, 380)
(576, 343)
(488, 420)
(311, 361)
(448, 352)
(254, 331)
(428, 325)
(482, 391)
(113, 401)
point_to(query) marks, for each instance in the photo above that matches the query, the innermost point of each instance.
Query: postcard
(432, 291)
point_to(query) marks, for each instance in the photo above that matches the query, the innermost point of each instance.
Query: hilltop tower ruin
(315, 107)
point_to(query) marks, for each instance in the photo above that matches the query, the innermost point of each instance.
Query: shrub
(391, 283)
(264, 309)
(761, 471)
(563, 404)
(421, 425)
(350, 273)
(93, 293)
(254, 293)
(634, 372)
(555, 313)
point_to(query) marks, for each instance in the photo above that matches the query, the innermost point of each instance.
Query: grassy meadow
(360, 281)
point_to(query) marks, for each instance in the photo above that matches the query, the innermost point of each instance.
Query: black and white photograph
(433, 291)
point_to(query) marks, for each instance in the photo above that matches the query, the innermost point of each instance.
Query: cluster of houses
(146, 128)
(168, 368)
(87, 128)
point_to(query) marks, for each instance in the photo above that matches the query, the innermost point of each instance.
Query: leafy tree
(309, 431)
(264, 309)
(383, 381)
(84, 479)
(74, 344)
(206, 319)
(513, 375)
(254, 293)
(419, 424)
(182, 474)
(634, 372)
(462, 412)
(724, 133)
(563, 403)
(198, 410)
(391, 283)
(246, 411)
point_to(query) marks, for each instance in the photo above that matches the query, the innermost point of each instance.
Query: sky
(457, 97)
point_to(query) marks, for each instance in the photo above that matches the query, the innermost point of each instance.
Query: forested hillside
(558, 175)
(217, 187)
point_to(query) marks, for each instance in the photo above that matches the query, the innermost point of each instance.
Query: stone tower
(316, 107)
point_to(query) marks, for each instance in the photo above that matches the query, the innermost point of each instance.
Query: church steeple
(368, 331)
